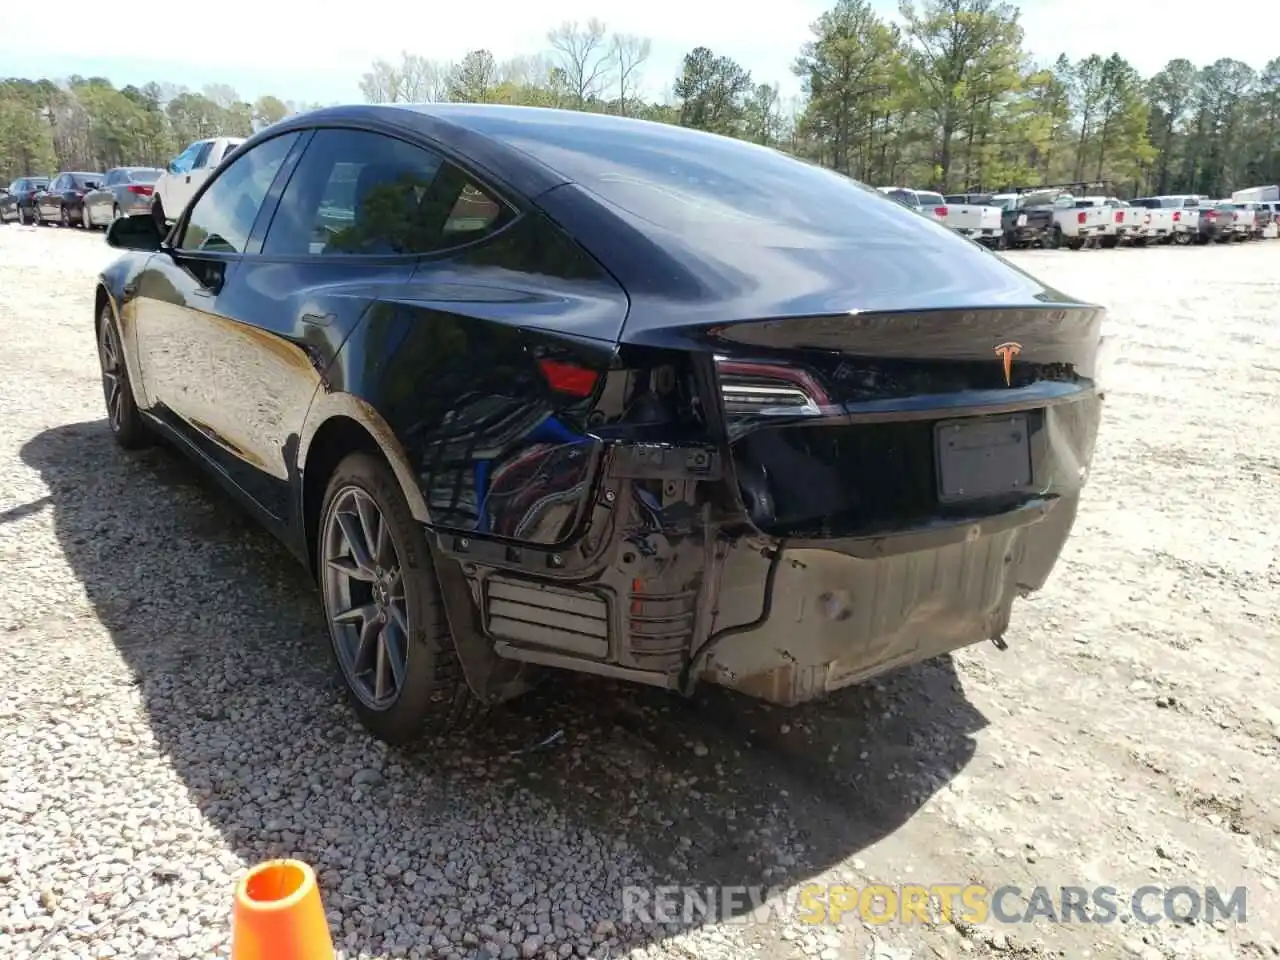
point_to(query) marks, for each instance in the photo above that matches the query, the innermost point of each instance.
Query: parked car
(1027, 219)
(63, 201)
(1077, 222)
(18, 203)
(974, 217)
(1121, 221)
(926, 202)
(1243, 219)
(124, 191)
(1158, 224)
(1211, 225)
(185, 174)
(1259, 216)
(529, 388)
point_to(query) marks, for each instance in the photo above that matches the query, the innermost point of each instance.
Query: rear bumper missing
(671, 582)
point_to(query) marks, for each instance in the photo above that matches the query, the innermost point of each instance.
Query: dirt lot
(168, 714)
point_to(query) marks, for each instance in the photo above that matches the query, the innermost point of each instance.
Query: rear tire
(382, 601)
(64, 218)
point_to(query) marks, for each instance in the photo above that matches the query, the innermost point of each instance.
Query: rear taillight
(1235, 217)
(1177, 216)
(940, 211)
(768, 389)
(1210, 215)
(568, 378)
(142, 189)
(1081, 217)
(1119, 216)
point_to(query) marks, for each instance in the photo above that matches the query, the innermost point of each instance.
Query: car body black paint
(636, 492)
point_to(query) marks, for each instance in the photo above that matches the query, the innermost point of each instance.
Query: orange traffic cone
(278, 915)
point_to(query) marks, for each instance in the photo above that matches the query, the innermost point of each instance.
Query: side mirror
(171, 166)
(136, 232)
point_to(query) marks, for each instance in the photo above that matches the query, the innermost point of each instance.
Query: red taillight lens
(1235, 216)
(142, 189)
(750, 387)
(1210, 215)
(940, 211)
(1119, 216)
(1081, 217)
(1177, 216)
(568, 378)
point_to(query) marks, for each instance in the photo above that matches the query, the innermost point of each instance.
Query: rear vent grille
(661, 625)
(553, 617)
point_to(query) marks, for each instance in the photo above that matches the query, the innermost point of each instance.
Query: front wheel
(387, 626)
(123, 416)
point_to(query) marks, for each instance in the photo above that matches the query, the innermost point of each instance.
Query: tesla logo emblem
(1006, 352)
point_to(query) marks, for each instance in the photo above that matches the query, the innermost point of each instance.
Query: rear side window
(904, 196)
(360, 193)
(223, 217)
(931, 199)
(142, 176)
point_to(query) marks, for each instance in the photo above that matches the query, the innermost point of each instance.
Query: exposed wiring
(714, 640)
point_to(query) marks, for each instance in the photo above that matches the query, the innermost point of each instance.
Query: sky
(291, 49)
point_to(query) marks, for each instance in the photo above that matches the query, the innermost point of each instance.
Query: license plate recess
(982, 457)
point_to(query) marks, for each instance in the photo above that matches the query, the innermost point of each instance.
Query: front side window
(361, 193)
(202, 158)
(223, 217)
(184, 161)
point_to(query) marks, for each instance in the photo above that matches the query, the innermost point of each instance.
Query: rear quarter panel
(446, 376)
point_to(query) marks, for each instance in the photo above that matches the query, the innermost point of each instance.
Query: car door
(189, 355)
(47, 199)
(343, 240)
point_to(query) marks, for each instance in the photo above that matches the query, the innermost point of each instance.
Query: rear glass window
(144, 176)
(904, 196)
(87, 181)
(931, 199)
(723, 190)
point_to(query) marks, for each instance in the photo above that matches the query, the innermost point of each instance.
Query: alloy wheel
(66, 218)
(364, 598)
(112, 374)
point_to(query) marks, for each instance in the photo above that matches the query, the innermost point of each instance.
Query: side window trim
(271, 203)
(180, 226)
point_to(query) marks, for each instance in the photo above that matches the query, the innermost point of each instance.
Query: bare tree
(382, 83)
(584, 56)
(423, 80)
(628, 54)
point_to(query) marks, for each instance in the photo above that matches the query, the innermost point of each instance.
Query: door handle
(188, 178)
(318, 319)
(130, 288)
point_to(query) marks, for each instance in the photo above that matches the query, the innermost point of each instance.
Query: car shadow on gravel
(221, 631)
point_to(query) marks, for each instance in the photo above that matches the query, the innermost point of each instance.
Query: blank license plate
(979, 458)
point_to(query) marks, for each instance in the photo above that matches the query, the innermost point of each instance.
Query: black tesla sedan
(536, 389)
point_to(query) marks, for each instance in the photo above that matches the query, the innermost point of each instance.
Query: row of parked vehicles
(94, 199)
(1056, 217)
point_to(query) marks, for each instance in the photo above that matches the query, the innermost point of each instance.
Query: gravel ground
(169, 715)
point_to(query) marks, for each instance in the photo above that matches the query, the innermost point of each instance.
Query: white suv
(178, 184)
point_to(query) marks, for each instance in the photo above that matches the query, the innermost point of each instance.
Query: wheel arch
(339, 424)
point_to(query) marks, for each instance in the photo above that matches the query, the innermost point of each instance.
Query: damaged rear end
(833, 438)
(796, 505)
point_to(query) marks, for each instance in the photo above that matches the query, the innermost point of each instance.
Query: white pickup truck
(186, 172)
(1162, 218)
(977, 220)
(1077, 222)
(1121, 221)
